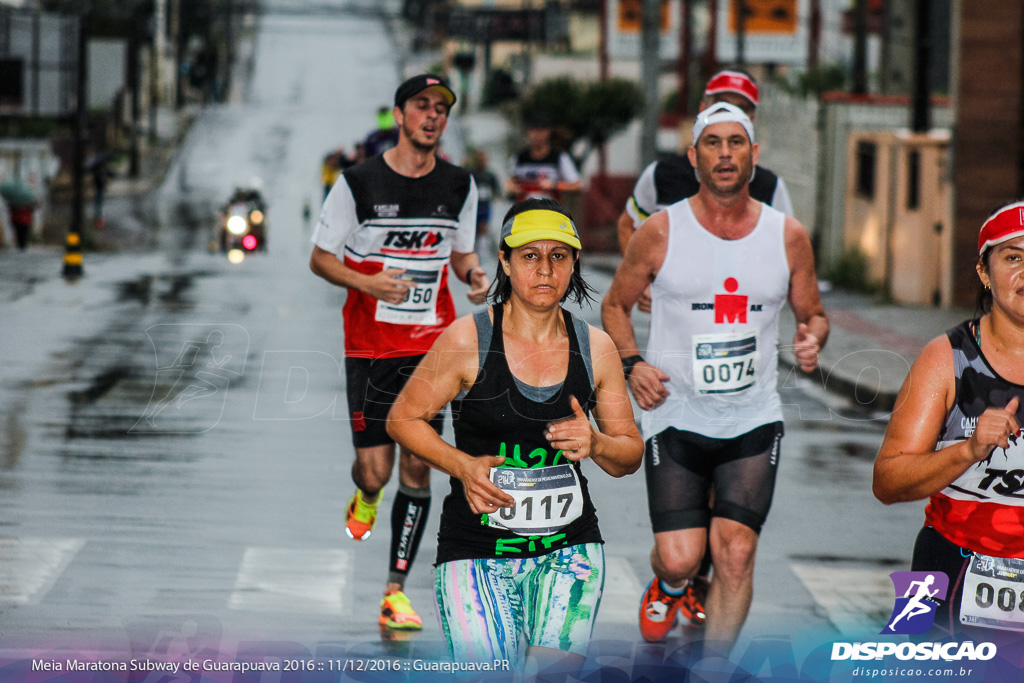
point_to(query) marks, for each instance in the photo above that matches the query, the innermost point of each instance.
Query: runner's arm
(382, 285)
(804, 298)
(450, 366)
(618, 448)
(640, 265)
(908, 467)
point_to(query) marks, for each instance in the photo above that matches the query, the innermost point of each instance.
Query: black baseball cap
(418, 84)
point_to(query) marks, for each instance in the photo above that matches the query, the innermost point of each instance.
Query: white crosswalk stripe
(858, 600)
(30, 566)
(292, 580)
(621, 598)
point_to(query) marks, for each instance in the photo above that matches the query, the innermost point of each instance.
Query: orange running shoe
(396, 613)
(692, 604)
(360, 516)
(657, 611)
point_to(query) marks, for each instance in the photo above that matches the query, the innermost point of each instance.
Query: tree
(588, 112)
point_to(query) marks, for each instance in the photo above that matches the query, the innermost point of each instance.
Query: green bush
(851, 271)
(592, 111)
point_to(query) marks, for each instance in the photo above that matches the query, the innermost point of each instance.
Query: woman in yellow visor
(519, 552)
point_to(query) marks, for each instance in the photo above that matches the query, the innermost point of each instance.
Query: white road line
(291, 580)
(30, 566)
(858, 600)
(622, 589)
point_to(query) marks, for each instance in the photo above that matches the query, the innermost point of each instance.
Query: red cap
(732, 81)
(1003, 225)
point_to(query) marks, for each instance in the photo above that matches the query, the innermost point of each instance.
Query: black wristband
(629, 363)
(469, 273)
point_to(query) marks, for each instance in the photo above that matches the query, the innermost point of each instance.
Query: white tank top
(715, 307)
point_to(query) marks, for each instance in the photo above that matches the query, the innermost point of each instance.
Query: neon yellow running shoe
(360, 516)
(397, 613)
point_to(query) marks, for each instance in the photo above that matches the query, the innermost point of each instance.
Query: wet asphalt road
(174, 454)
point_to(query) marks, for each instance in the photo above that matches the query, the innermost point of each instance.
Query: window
(913, 180)
(866, 155)
(11, 85)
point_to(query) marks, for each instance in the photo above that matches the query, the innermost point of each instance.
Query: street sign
(485, 25)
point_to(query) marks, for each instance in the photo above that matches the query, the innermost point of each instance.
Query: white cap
(722, 112)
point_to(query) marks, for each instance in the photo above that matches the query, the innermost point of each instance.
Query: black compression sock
(408, 518)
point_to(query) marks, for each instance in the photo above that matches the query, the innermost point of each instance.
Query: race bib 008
(994, 593)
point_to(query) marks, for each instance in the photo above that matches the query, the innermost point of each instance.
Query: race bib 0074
(724, 363)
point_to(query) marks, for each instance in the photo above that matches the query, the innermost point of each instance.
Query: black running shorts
(683, 467)
(373, 384)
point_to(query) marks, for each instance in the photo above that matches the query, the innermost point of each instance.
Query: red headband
(1005, 224)
(732, 81)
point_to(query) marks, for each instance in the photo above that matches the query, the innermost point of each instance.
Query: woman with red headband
(954, 438)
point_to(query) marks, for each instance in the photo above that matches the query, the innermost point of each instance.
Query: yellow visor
(539, 224)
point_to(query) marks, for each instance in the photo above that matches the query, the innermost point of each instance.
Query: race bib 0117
(546, 499)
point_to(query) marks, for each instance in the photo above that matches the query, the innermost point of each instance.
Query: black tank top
(495, 418)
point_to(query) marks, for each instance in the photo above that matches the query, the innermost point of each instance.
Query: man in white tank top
(720, 266)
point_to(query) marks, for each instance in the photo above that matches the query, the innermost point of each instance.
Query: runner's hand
(648, 385)
(643, 304)
(386, 286)
(479, 284)
(573, 436)
(994, 429)
(805, 348)
(481, 493)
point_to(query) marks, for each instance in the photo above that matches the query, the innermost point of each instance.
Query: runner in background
(390, 232)
(540, 169)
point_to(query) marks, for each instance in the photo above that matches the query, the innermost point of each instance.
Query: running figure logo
(914, 612)
(195, 365)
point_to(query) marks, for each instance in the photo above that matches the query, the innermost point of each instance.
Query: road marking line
(858, 600)
(30, 566)
(291, 580)
(621, 598)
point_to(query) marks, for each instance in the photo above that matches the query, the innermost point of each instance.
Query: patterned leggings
(485, 606)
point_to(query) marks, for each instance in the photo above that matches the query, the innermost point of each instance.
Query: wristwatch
(628, 363)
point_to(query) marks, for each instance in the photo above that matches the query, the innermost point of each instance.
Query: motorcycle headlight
(256, 216)
(237, 225)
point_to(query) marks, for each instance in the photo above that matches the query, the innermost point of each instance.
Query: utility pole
(814, 39)
(711, 54)
(649, 58)
(921, 105)
(683, 63)
(860, 48)
(134, 83)
(155, 60)
(73, 242)
(741, 32)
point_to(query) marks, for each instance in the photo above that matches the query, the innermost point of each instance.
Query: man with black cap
(720, 267)
(540, 169)
(390, 231)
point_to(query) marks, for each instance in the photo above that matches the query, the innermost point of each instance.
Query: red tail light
(249, 242)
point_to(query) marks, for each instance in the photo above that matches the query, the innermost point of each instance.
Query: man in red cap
(670, 180)
(673, 179)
